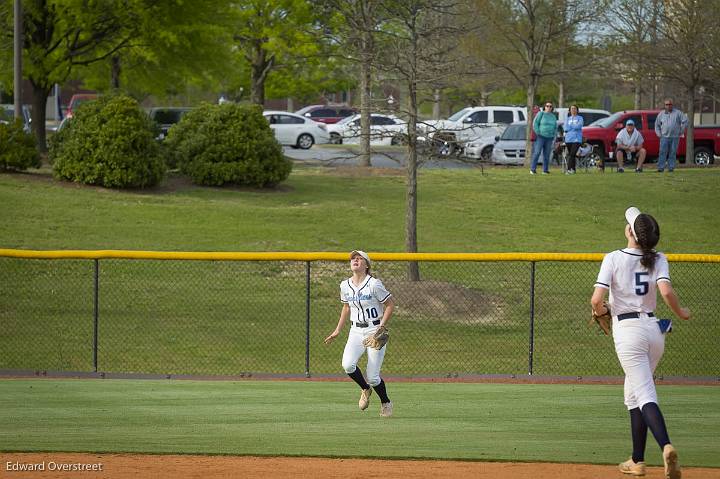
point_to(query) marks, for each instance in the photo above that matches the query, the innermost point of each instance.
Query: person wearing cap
(368, 306)
(670, 125)
(629, 142)
(633, 276)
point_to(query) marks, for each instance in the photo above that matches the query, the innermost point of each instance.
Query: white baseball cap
(631, 215)
(363, 254)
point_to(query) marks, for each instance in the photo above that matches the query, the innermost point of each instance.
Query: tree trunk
(638, 94)
(530, 100)
(115, 72)
(653, 91)
(364, 159)
(411, 184)
(290, 104)
(436, 104)
(690, 134)
(561, 83)
(260, 66)
(39, 101)
(365, 82)
(257, 89)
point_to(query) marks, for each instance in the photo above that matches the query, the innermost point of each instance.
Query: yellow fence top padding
(323, 256)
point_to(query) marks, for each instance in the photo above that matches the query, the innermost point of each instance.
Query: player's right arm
(344, 313)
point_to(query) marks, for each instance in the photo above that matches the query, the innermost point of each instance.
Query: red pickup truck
(602, 133)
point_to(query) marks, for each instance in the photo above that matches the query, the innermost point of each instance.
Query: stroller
(586, 158)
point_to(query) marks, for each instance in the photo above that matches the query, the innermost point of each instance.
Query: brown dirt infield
(135, 466)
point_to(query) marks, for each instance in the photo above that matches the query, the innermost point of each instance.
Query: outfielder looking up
(369, 306)
(634, 275)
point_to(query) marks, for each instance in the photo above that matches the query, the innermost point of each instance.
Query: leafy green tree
(272, 34)
(61, 36)
(176, 46)
(687, 51)
(416, 41)
(529, 35)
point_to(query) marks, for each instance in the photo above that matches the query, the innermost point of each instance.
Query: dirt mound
(446, 301)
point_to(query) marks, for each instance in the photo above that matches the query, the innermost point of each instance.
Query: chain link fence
(233, 317)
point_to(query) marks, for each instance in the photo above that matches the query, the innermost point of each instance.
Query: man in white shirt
(630, 141)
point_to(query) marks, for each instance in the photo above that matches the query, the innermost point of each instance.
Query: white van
(472, 124)
(589, 115)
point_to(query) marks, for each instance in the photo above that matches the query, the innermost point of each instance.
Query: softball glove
(378, 339)
(604, 321)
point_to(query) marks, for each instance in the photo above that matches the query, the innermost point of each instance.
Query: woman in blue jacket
(573, 136)
(545, 127)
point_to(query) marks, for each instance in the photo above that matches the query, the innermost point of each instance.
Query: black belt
(365, 325)
(632, 316)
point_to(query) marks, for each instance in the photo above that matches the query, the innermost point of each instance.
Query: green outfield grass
(556, 423)
(324, 209)
(230, 318)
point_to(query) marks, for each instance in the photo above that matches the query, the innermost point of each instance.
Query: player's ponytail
(648, 235)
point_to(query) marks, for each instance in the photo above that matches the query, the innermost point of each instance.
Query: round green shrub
(18, 149)
(109, 142)
(227, 144)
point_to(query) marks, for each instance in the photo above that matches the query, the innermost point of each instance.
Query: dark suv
(326, 113)
(166, 117)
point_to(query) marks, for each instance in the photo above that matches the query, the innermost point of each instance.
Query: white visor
(363, 254)
(631, 215)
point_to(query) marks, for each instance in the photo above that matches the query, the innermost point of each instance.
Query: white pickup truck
(472, 130)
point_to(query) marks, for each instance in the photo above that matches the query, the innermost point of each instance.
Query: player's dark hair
(648, 235)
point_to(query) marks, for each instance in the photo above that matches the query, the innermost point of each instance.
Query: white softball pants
(639, 345)
(354, 349)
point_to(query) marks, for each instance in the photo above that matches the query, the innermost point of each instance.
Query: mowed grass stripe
(563, 423)
(323, 209)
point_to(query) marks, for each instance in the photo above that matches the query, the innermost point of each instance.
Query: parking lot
(383, 157)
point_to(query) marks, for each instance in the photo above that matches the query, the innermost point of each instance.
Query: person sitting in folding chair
(629, 144)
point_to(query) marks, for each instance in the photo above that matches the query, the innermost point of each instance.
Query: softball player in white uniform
(368, 305)
(633, 276)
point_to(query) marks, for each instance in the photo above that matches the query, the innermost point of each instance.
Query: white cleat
(364, 401)
(672, 466)
(386, 409)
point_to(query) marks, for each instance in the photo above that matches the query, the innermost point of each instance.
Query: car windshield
(7, 114)
(80, 101)
(165, 117)
(459, 114)
(304, 110)
(347, 119)
(514, 132)
(609, 121)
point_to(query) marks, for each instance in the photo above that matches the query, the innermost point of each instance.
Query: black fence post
(96, 312)
(307, 319)
(532, 318)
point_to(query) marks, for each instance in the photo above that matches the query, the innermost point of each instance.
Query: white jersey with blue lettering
(365, 301)
(633, 289)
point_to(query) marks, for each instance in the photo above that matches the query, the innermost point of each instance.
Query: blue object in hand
(665, 325)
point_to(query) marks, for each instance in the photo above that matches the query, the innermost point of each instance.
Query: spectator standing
(629, 142)
(573, 136)
(669, 126)
(545, 128)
